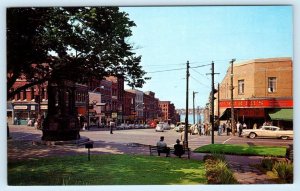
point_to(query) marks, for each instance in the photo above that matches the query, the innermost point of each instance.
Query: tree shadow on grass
(107, 170)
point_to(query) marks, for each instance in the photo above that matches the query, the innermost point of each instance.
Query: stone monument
(61, 123)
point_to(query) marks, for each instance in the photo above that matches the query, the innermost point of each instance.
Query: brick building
(263, 89)
(168, 111)
(151, 106)
(138, 104)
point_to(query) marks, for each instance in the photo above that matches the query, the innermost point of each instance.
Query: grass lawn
(107, 170)
(243, 150)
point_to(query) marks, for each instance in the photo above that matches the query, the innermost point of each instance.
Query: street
(147, 137)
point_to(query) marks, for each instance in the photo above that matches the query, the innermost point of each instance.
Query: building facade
(151, 106)
(168, 111)
(262, 88)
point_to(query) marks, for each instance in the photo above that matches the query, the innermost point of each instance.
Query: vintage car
(268, 131)
(159, 127)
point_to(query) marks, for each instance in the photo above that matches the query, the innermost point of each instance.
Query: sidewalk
(242, 167)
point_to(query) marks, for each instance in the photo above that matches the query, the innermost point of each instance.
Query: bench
(155, 149)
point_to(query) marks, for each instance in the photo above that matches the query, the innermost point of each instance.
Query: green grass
(243, 150)
(107, 170)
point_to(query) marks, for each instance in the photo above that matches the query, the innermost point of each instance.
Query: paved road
(148, 137)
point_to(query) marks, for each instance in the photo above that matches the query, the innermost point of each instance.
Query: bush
(217, 170)
(267, 163)
(284, 170)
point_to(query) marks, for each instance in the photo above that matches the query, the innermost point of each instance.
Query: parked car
(180, 126)
(166, 126)
(172, 126)
(146, 126)
(122, 126)
(268, 131)
(159, 127)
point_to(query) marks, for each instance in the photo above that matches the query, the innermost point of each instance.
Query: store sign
(259, 112)
(44, 107)
(20, 107)
(32, 108)
(264, 103)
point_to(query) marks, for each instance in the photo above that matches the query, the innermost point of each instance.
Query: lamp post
(194, 106)
(231, 89)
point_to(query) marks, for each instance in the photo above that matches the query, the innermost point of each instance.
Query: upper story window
(272, 82)
(241, 86)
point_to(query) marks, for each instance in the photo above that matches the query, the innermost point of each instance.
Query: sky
(168, 37)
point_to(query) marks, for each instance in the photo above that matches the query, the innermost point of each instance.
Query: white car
(122, 126)
(268, 131)
(166, 126)
(159, 127)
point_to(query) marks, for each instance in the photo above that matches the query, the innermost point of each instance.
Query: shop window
(272, 81)
(241, 86)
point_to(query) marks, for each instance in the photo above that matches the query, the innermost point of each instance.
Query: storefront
(258, 111)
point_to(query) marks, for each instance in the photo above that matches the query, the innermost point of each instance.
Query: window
(241, 85)
(272, 84)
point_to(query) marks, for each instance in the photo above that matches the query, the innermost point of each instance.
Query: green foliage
(242, 150)
(75, 42)
(267, 163)
(284, 171)
(106, 170)
(217, 170)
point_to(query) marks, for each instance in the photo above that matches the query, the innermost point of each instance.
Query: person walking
(111, 126)
(220, 128)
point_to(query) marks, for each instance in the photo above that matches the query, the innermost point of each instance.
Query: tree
(70, 42)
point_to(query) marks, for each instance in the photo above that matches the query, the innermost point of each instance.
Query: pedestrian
(255, 126)
(111, 126)
(178, 149)
(162, 147)
(220, 129)
(240, 128)
(202, 129)
(244, 126)
(16, 121)
(29, 122)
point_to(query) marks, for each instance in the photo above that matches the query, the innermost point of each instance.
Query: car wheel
(284, 137)
(252, 135)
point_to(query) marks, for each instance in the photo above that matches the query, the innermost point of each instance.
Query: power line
(199, 82)
(177, 69)
(200, 73)
(166, 70)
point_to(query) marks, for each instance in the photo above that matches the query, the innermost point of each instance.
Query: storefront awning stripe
(282, 114)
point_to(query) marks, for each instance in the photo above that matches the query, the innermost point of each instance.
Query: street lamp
(231, 89)
(194, 106)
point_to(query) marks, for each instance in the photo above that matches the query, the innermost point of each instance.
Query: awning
(282, 114)
(226, 114)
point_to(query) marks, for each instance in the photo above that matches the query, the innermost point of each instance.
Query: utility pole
(194, 106)
(231, 89)
(187, 106)
(213, 91)
(218, 101)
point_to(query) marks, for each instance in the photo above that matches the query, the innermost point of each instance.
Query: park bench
(155, 149)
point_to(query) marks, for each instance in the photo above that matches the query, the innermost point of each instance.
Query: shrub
(284, 170)
(217, 170)
(267, 163)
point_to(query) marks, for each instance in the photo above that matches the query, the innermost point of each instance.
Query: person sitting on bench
(162, 147)
(178, 149)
